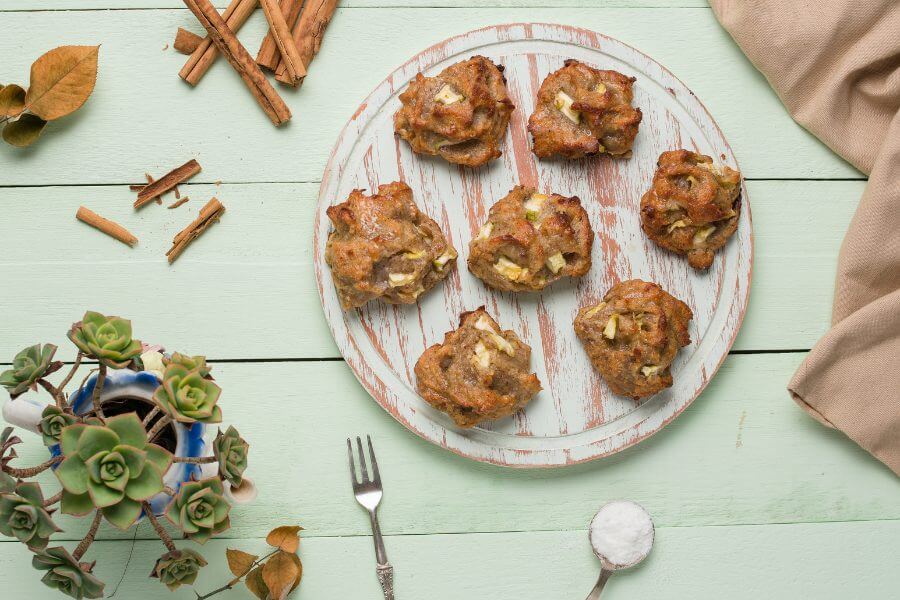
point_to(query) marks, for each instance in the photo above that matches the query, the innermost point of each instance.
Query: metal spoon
(607, 567)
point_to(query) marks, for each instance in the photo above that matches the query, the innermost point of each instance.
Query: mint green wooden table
(751, 498)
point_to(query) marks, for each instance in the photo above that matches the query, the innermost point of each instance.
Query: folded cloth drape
(835, 64)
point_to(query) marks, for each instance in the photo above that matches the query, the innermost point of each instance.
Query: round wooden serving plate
(575, 418)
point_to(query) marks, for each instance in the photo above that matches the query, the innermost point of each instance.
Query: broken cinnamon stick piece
(280, 31)
(226, 41)
(308, 33)
(110, 228)
(157, 188)
(206, 53)
(209, 214)
(178, 202)
(269, 56)
(186, 41)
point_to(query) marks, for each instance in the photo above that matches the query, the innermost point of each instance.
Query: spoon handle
(601, 582)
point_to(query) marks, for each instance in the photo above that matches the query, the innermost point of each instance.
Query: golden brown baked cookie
(530, 240)
(479, 372)
(692, 207)
(384, 247)
(632, 336)
(582, 111)
(461, 114)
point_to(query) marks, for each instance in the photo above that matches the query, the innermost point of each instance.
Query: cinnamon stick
(269, 56)
(279, 30)
(203, 57)
(178, 202)
(209, 214)
(186, 41)
(110, 228)
(223, 37)
(154, 190)
(308, 33)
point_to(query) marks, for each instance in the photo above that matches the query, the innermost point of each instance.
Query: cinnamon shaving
(155, 189)
(110, 228)
(186, 41)
(209, 214)
(178, 203)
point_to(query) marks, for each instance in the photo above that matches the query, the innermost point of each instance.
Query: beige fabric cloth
(836, 66)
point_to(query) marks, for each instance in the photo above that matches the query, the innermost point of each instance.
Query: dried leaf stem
(98, 389)
(89, 538)
(160, 530)
(150, 415)
(53, 499)
(158, 427)
(195, 460)
(53, 391)
(237, 580)
(68, 378)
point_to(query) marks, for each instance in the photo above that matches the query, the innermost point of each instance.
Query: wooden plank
(743, 453)
(251, 277)
(140, 97)
(777, 562)
(14, 5)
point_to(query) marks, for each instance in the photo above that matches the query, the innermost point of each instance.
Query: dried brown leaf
(12, 100)
(256, 584)
(239, 562)
(299, 564)
(279, 573)
(286, 538)
(24, 131)
(62, 80)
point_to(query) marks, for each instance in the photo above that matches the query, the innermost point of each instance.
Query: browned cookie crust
(582, 111)
(384, 247)
(692, 207)
(461, 114)
(531, 240)
(479, 372)
(633, 335)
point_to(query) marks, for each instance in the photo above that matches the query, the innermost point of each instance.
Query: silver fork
(368, 493)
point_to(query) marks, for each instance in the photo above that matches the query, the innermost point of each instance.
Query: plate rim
(554, 32)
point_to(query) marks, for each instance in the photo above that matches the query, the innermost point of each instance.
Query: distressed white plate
(575, 418)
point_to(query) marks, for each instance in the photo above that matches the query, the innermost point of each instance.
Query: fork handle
(380, 552)
(386, 579)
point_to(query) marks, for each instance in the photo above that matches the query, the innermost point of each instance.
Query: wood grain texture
(742, 454)
(703, 563)
(16, 5)
(96, 144)
(251, 259)
(576, 417)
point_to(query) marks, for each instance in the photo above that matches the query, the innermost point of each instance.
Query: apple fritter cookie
(582, 111)
(632, 336)
(692, 207)
(531, 240)
(479, 372)
(460, 115)
(383, 246)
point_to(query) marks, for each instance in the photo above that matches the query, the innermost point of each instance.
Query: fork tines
(376, 477)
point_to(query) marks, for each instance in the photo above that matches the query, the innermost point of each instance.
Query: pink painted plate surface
(575, 418)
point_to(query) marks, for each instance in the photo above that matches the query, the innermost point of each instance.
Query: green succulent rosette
(230, 450)
(108, 339)
(199, 509)
(178, 568)
(66, 574)
(28, 366)
(191, 363)
(187, 396)
(53, 421)
(7, 453)
(22, 516)
(112, 468)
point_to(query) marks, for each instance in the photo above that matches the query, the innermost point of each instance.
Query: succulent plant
(108, 339)
(66, 574)
(178, 568)
(7, 453)
(230, 450)
(29, 365)
(191, 363)
(22, 516)
(187, 396)
(53, 421)
(199, 510)
(110, 467)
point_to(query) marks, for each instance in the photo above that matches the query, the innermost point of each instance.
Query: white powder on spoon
(622, 533)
